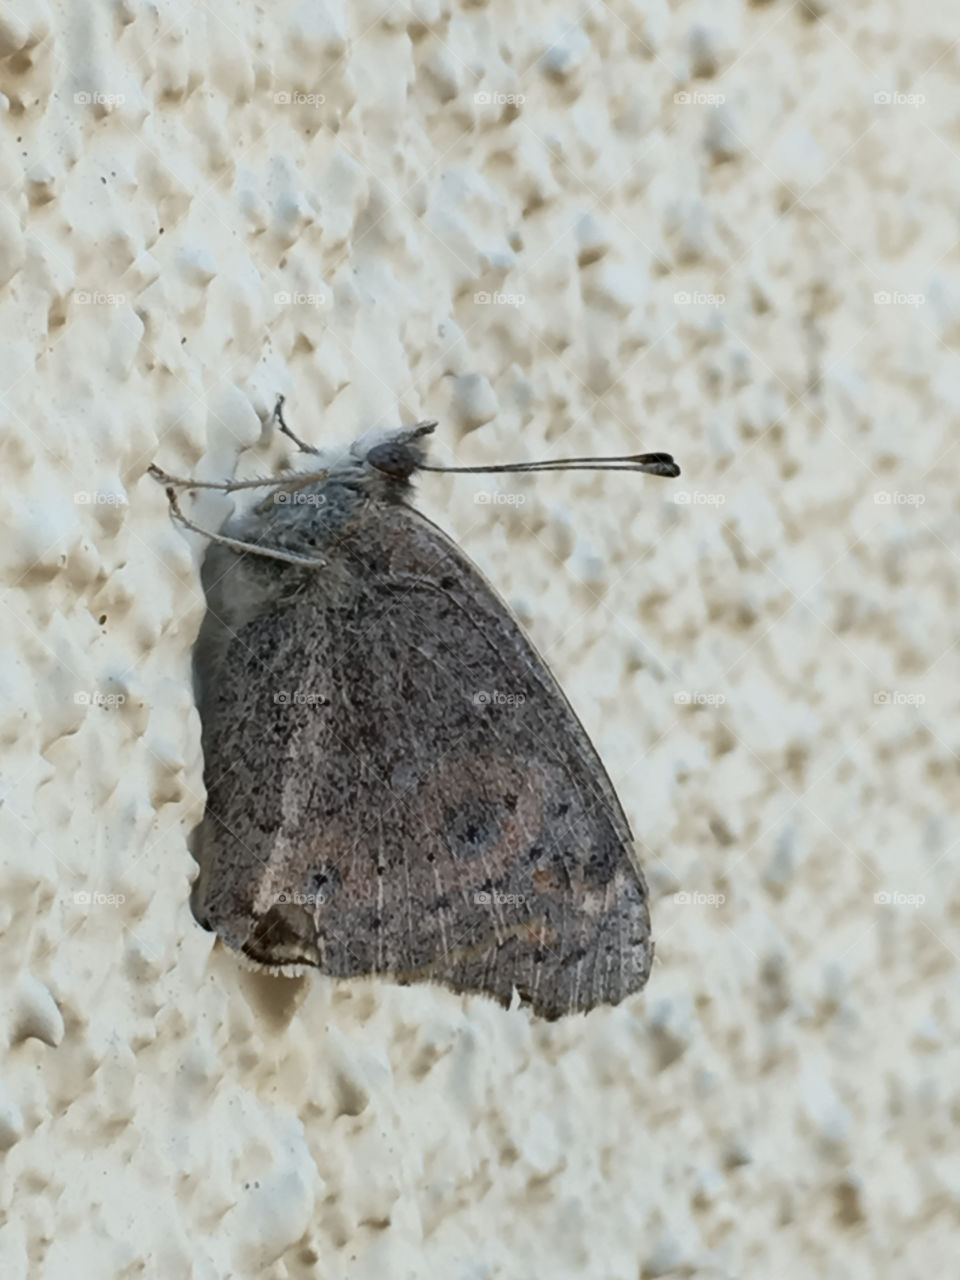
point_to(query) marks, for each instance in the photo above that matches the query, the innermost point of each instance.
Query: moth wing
(420, 800)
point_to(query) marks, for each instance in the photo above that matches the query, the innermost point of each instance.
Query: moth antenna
(235, 544)
(654, 464)
(278, 414)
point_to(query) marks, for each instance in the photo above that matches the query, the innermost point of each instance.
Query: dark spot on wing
(471, 829)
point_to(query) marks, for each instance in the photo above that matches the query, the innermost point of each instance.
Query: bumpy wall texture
(726, 230)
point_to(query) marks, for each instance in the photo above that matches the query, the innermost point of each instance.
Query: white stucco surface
(724, 230)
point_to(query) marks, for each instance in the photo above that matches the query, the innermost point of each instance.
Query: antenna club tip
(658, 464)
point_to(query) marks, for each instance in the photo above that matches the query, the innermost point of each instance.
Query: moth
(396, 783)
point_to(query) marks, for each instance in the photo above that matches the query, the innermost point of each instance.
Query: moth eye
(398, 461)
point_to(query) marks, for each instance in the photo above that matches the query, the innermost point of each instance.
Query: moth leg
(278, 414)
(235, 544)
(229, 486)
(284, 485)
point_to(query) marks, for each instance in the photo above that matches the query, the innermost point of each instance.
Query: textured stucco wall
(202, 205)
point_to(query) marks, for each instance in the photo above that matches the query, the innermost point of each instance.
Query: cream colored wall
(762, 650)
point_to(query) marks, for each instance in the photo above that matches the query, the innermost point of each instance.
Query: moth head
(398, 457)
